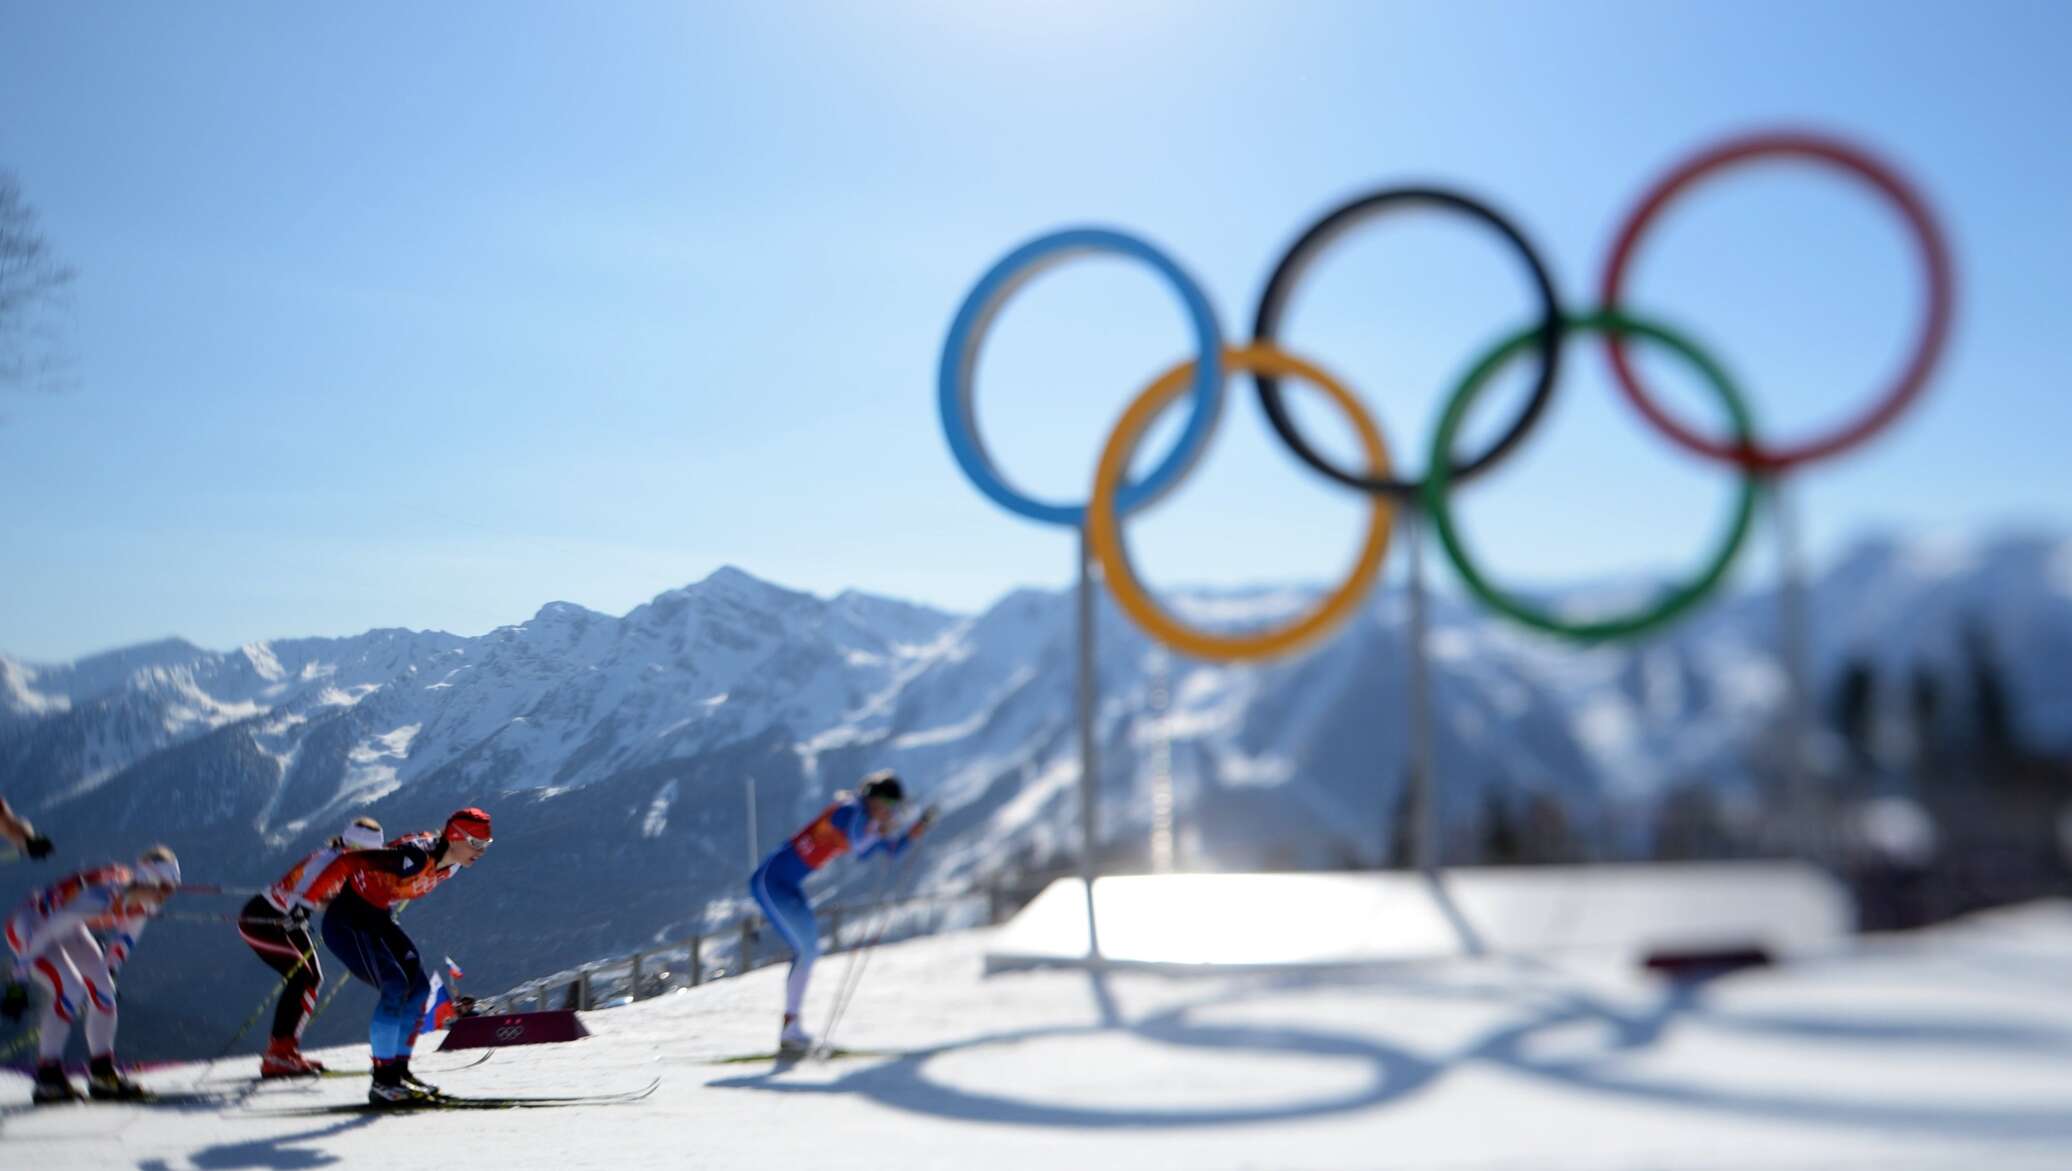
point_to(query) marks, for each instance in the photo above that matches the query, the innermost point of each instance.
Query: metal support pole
(1089, 777)
(697, 961)
(1423, 789)
(1163, 833)
(743, 962)
(1793, 644)
(633, 993)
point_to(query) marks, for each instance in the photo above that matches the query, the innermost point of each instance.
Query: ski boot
(105, 1083)
(412, 1080)
(284, 1059)
(52, 1086)
(793, 1041)
(391, 1092)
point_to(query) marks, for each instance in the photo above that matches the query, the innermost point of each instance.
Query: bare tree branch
(34, 285)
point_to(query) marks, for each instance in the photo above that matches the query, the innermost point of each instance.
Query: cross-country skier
(275, 925)
(861, 823)
(16, 829)
(52, 937)
(360, 929)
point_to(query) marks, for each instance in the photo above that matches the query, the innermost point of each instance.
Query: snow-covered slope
(615, 751)
(1947, 1051)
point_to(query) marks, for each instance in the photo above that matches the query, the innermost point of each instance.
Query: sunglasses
(478, 843)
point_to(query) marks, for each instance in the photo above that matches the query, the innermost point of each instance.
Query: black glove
(15, 1001)
(38, 847)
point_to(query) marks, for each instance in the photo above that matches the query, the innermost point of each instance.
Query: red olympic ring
(1935, 327)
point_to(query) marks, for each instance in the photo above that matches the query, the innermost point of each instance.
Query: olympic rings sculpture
(1201, 379)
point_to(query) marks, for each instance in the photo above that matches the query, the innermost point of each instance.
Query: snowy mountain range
(615, 752)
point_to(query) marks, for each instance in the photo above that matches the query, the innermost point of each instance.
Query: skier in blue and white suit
(861, 824)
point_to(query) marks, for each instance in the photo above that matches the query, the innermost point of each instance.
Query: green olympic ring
(1439, 480)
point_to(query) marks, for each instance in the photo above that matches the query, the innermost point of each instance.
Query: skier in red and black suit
(275, 925)
(360, 929)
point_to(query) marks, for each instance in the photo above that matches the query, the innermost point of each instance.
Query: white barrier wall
(1307, 920)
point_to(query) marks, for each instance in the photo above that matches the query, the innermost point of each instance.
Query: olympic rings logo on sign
(510, 1032)
(1201, 380)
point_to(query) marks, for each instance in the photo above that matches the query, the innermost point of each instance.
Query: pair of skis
(441, 1100)
(434, 1100)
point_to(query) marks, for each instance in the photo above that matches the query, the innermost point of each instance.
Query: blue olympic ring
(955, 375)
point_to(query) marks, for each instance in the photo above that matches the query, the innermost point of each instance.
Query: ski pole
(852, 974)
(337, 986)
(218, 917)
(302, 960)
(210, 888)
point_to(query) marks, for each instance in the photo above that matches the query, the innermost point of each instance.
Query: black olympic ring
(1273, 303)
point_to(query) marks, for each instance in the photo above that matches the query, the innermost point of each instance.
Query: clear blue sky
(424, 315)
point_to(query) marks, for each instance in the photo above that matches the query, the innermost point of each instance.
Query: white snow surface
(1950, 1048)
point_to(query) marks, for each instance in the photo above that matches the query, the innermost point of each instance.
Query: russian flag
(438, 1008)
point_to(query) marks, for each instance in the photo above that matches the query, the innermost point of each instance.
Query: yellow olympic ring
(1104, 530)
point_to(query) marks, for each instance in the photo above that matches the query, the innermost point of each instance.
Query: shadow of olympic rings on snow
(903, 1083)
(1634, 1032)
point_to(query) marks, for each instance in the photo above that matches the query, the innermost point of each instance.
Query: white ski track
(1945, 1050)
